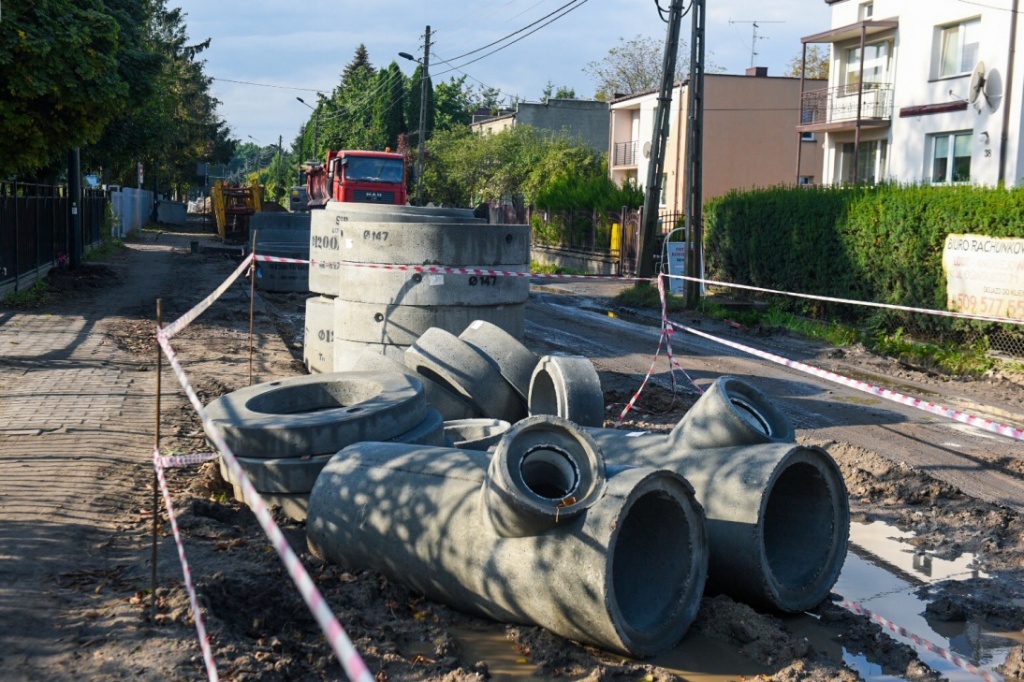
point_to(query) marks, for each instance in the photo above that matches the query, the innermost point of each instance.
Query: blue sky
(299, 48)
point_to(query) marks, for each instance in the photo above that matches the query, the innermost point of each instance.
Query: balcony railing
(624, 153)
(839, 105)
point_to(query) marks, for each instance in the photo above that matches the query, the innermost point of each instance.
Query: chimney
(758, 71)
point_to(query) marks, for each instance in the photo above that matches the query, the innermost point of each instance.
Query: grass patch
(551, 269)
(957, 360)
(110, 246)
(33, 297)
(646, 296)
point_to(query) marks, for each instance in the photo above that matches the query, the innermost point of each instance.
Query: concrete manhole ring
(317, 414)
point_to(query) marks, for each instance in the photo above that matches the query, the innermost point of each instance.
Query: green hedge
(881, 243)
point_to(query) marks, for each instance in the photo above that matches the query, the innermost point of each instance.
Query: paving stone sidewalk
(77, 417)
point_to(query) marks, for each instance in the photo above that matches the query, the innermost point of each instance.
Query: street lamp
(425, 63)
(316, 127)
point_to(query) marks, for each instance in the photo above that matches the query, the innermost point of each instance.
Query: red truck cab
(358, 176)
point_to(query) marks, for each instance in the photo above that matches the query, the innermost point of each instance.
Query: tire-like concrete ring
(475, 434)
(513, 360)
(732, 412)
(316, 414)
(567, 386)
(451, 405)
(545, 470)
(441, 356)
(298, 474)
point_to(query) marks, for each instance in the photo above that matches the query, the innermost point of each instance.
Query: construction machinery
(232, 207)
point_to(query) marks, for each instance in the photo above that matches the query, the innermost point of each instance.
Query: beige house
(750, 136)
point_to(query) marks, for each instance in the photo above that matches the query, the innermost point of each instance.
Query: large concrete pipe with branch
(778, 516)
(540, 533)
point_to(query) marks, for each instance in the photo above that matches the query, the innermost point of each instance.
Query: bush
(882, 244)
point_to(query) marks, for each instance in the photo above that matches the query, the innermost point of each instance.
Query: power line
(264, 85)
(520, 30)
(575, 4)
(981, 4)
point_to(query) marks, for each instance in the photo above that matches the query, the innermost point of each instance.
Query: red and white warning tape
(198, 309)
(346, 653)
(870, 304)
(441, 269)
(204, 641)
(987, 675)
(894, 396)
(176, 461)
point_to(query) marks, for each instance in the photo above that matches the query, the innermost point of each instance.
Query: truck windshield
(369, 169)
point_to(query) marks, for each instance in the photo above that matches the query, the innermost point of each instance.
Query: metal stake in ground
(156, 446)
(252, 299)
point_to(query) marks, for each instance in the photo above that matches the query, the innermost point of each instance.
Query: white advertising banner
(984, 275)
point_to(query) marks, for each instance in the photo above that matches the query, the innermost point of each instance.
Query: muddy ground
(259, 627)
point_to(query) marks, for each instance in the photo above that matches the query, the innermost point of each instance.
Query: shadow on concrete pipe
(778, 515)
(622, 568)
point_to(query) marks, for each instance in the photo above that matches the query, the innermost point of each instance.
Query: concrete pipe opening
(550, 473)
(803, 537)
(346, 395)
(649, 580)
(544, 470)
(730, 413)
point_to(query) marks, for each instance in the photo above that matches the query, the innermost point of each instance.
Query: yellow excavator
(232, 206)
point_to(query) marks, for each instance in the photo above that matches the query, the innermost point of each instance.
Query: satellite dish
(977, 86)
(647, 150)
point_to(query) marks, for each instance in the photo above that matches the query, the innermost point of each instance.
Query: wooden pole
(252, 301)
(156, 445)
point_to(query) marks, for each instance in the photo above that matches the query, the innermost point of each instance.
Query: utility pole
(753, 43)
(424, 81)
(695, 157)
(656, 167)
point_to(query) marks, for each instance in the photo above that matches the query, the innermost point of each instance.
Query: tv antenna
(753, 43)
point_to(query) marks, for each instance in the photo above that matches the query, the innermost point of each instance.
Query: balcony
(624, 153)
(836, 108)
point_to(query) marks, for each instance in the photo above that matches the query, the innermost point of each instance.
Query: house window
(951, 157)
(870, 162)
(805, 180)
(958, 48)
(867, 10)
(876, 65)
(807, 137)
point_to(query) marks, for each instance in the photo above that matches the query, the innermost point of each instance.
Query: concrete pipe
(356, 211)
(567, 386)
(544, 470)
(318, 335)
(347, 353)
(277, 220)
(732, 412)
(316, 414)
(402, 325)
(626, 574)
(403, 287)
(514, 361)
(450, 404)
(778, 515)
(474, 434)
(336, 242)
(442, 357)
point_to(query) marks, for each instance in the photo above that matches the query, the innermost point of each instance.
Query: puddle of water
(881, 573)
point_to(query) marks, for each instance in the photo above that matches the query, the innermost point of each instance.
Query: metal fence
(35, 230)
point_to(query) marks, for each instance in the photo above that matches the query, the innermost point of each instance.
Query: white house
(920, 91)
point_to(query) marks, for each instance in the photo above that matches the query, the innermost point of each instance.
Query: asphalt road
(979, 463)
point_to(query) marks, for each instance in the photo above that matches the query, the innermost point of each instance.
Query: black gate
(35, 229)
